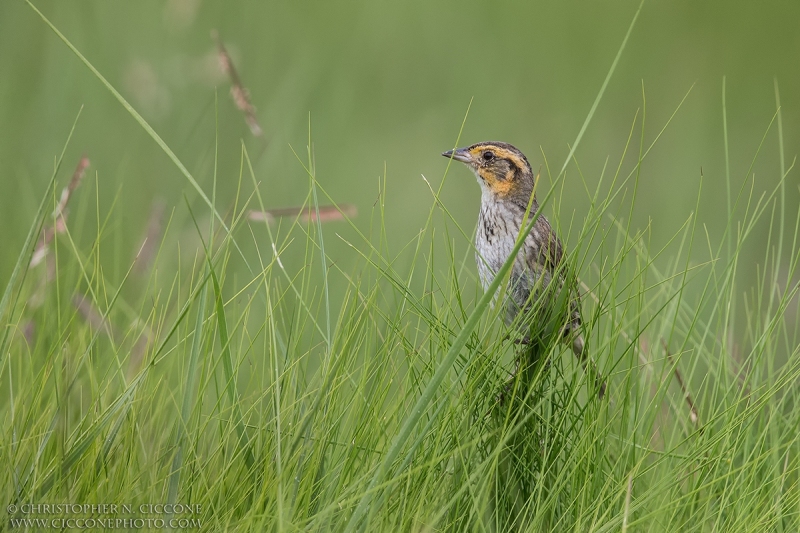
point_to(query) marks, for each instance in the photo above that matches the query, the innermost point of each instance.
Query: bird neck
(514, 203)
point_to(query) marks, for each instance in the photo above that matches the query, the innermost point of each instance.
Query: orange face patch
(501, 187)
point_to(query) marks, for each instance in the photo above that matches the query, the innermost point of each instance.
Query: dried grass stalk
(148, 246)
(693, 416)
(327, 213)
(59, 224)
(91, 314)
(241, 96)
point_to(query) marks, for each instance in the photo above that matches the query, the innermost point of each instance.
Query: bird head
(503, 171)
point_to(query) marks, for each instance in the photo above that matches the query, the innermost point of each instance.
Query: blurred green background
(385, 86)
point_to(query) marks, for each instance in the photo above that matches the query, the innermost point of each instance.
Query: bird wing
(549, 257)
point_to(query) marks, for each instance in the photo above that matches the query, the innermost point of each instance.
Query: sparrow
(541, 297)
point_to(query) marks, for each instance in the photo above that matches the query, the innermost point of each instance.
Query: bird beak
(460, 154)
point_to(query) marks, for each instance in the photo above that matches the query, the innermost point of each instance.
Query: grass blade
(188, 399)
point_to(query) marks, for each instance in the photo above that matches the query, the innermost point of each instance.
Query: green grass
(309, 394)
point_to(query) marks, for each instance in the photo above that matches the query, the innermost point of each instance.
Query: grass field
(176, 345)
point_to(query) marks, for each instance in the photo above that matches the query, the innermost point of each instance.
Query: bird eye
(488, 155)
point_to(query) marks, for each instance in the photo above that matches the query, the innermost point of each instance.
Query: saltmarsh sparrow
(533, 304)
